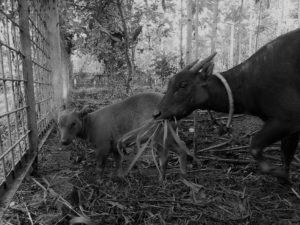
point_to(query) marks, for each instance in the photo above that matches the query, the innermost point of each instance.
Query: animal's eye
(73, 124)
(183, 84)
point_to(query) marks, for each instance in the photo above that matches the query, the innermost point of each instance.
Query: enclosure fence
(27, 99)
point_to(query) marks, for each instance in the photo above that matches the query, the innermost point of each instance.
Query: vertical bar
(34, 27)
(3, 162)
(5, 100)
(28, 76)
(11, 75)
(3, 159)
(17, 84)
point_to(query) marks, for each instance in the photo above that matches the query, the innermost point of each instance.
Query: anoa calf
(266, 85)
(106, 126)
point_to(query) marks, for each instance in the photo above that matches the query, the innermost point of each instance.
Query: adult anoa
(266, 85)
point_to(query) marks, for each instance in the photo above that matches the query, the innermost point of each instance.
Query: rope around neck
(230, 98)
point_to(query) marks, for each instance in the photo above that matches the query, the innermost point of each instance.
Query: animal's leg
(271, 132)
(102, 152)
(118, 159)
(163, 154)
(100, 164)
(288, 148)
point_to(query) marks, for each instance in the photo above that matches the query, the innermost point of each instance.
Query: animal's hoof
(99, 172)
(99, 175)
(163, 183)
(282, 176)
(119, 174)
(284, 181)
(265, 167)
(256, 153)
(162, 178)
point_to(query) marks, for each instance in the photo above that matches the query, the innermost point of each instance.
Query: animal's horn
(189, 66)
(197, 66)
(63, 107)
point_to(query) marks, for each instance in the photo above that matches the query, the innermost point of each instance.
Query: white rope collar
(230, 98)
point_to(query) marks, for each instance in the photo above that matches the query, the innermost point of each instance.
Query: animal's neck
(84, 129)
(218, 96)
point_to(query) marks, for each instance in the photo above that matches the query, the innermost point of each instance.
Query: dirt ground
(223, 187)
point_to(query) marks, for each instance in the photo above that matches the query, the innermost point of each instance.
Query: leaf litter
(222, 186)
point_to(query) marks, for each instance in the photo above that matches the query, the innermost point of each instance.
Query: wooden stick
(295, 192)
(235, 161)
(29, 215)
(215, 146)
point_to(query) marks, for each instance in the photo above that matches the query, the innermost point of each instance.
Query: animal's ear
(84, 111)
(207, 69)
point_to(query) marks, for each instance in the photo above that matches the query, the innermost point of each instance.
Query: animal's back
(140, 107)
(271, 78)
(135, 111)
(117, 119)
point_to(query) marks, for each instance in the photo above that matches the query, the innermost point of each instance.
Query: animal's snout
(156, 114)
(65, 141)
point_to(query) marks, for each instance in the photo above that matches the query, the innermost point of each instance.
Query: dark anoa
(266, 85)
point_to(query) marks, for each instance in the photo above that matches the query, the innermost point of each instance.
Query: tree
(149, 28)
(251, 27)
(299, 13)
(196, 57)
(188, 56)
(181, 63)
(258, 24)
(196, 31)
(280, 8)
(164, 65)
(239, 33)
(231, 51)
(129, 61)
(214, 27)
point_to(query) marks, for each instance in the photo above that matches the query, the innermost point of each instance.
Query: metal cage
(26, 88)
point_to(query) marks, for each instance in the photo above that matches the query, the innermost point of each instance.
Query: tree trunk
(132, 63)
(197, 56)
(280, 8)
(195, 114)
(127, 47)
(215, 27)
(251, 28)
(239, 48)
(299, 13)
(189, 33)
(231, 45)
(181, 63)
(258, 25)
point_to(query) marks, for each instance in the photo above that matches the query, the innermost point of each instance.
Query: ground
(223, 187)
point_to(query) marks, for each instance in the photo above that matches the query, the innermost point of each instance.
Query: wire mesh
(14, 138)
(41, 66)
(13, 124)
